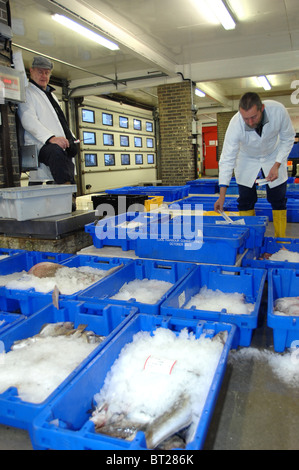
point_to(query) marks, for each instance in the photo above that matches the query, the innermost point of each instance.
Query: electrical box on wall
(12, 86)
(5, 31)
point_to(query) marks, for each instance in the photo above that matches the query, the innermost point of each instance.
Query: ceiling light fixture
(199, 93)
(264, 82)
(87, 33)
(222, 14)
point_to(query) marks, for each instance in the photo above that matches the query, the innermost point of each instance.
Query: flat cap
(42, 63)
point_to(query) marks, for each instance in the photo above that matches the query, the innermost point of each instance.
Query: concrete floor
(255, 410)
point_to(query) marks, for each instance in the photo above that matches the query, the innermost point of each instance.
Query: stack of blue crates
(214, 244)
(123, 230)
(62, 420)
(169, 193)
(118, 321)
(204, 186)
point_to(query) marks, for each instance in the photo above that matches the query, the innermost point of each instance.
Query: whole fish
(45, 269)
(55, 297)
(119, 426)
(169, 423)
(221, 336)
(59, 329)
(56, 329)
(91, 338)
(22, 343)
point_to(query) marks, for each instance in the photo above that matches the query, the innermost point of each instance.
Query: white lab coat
(38, 118)
(246, 152)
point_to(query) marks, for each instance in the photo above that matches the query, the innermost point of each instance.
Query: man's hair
(250, 99)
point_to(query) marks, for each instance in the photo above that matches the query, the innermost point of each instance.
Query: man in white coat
(259, 138)
(45, 124)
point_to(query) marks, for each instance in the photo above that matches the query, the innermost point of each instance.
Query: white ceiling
(165, 41)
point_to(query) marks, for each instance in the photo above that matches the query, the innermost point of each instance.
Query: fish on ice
(283, 254)
(288, 306)
(45, 269)
(59, 279)
(37, 365)
(178, 417)
(164, 397)
(59, 329)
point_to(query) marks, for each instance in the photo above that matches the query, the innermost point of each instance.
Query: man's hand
(61, 141)
(218, 206)
(273, 173)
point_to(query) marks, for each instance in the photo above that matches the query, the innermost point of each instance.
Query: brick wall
(177, 162)
(10, 170)
(222, 124)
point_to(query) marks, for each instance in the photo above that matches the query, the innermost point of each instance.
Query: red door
(210, 142)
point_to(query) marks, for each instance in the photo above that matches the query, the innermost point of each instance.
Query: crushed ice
(216, 300)
(285, 255)
(144, 393)
(148, 291)
(68, 280)
(285, 366)
(39, 367)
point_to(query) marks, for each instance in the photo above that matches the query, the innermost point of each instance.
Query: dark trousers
(275, 196)
(60, 164)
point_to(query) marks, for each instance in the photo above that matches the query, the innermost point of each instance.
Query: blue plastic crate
(26, 259)
(124, 229)
(205, 203)
(23, 300)
(139, 269)
(271, 245)
(8, 252)
(216, 245)
(101, 319)
(169, 193)
(292, 191)
(282, 283)
(263, 208)
(294, 153)
(26, 297)
(204, 186)
(71, 409)
(8, 320)
(233, 188)
(256, 225)
(249, 282)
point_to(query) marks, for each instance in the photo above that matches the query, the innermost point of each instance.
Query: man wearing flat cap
(45, 124)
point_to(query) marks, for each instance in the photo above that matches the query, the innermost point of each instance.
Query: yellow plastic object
(217, 213)
(280, 223)
(154, 201)
(247, 213)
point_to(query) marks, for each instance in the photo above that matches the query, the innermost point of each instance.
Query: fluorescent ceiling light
(263, 81)
(199, 93)
(221, 12)
(87, 33)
